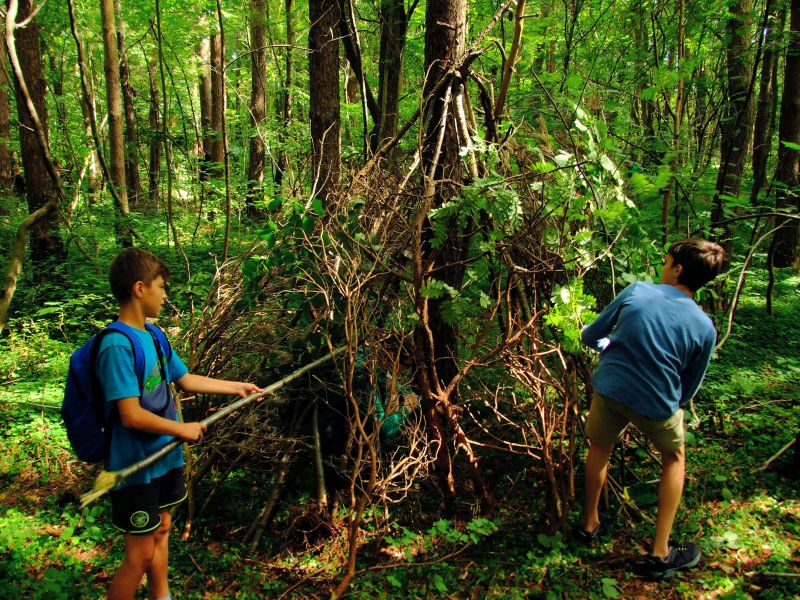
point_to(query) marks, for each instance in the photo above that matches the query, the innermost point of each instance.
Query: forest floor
(746, 521)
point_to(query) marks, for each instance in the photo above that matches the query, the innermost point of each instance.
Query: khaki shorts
(609, 418)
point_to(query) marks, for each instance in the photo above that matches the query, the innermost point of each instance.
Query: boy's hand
(244, 389)
(192, 432)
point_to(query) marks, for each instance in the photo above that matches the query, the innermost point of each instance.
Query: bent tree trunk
(784, 244)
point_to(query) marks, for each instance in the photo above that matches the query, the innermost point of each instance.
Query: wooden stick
(777, 455)
(106, 480)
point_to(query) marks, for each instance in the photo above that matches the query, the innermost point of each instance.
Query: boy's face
(153, 296)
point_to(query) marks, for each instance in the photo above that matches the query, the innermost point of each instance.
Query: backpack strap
(163, 348)
(136, 346)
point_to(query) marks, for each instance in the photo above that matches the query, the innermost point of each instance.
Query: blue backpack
(83, 408)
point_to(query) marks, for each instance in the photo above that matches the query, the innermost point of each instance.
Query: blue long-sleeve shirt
(655, 345)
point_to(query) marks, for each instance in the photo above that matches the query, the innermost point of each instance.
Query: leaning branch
(107, 480)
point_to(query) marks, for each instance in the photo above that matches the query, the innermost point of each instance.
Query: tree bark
(115, 119)
(394, 25)
(154, 166)
(6, 173)
(435, 340)
(45, 241)
(323, 69)
(285, 100)
(132, 178)
(764, 125)
(784, 246)
(737, 123)
(258, 99)
(217, 105)
(204, 53)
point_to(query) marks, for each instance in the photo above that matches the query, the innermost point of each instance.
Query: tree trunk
(204, 52)
(285, 100)
(435, 340)
(764, 125)
(258, 98)
(154, 167)
(217, 105)
(737, 123)
(6, 173)
(323, 71)
(131, 135)
(394, 25)
(784, 250)
(45, 240)
(115, 120)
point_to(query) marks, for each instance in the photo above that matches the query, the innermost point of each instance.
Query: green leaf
(317, 207)
(439, 583)
(394, 581)
(791, 145)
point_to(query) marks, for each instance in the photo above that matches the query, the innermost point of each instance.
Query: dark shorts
(136, 508)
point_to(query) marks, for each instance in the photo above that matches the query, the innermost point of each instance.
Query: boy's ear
(137, 290)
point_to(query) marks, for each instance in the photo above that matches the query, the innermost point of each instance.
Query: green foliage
(570, 312)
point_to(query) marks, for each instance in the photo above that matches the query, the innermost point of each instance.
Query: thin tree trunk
(154, 166)
(115, 119)
(223, 142)
(285, 100)
(131, 134)
(258, 99)
(217, 105)
(6, 173)
(764, 125)
(394, 25)
(204, 52)
(323, 72)
(784, 246)
(677, 115)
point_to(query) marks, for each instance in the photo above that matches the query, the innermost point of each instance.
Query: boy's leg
(603, 426)
(139, 551)
(595, 472)
(670, 489)
(157, 572)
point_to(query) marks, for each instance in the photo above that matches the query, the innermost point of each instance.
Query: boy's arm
(693, 375)
(599, 329)
(198, 384)
(133, 416)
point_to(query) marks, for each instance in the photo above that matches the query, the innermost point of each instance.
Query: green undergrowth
(746, 521)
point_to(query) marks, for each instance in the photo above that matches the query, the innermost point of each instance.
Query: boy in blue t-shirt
(143, 424)
(655, 345)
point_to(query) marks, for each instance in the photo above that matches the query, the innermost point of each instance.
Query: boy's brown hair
(701, 260)
(132, 265)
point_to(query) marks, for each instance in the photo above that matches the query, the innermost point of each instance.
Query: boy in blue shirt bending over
(143, 423)
(655, 345)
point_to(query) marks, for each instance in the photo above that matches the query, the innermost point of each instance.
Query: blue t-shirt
(655, 345)
(118, 380)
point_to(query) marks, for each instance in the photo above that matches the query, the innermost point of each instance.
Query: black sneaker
(588, 538)
(681, 556)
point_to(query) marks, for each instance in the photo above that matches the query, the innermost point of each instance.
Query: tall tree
(44, 237)
(217, 105)
(738, 118)
(764, 125)
(154, 165)
(394, 25)
(284, 99)
(115, 119)
(132, 178)
(258, 103)
(204, 54)
(6, 174)
(784, 247)
(323, 73)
